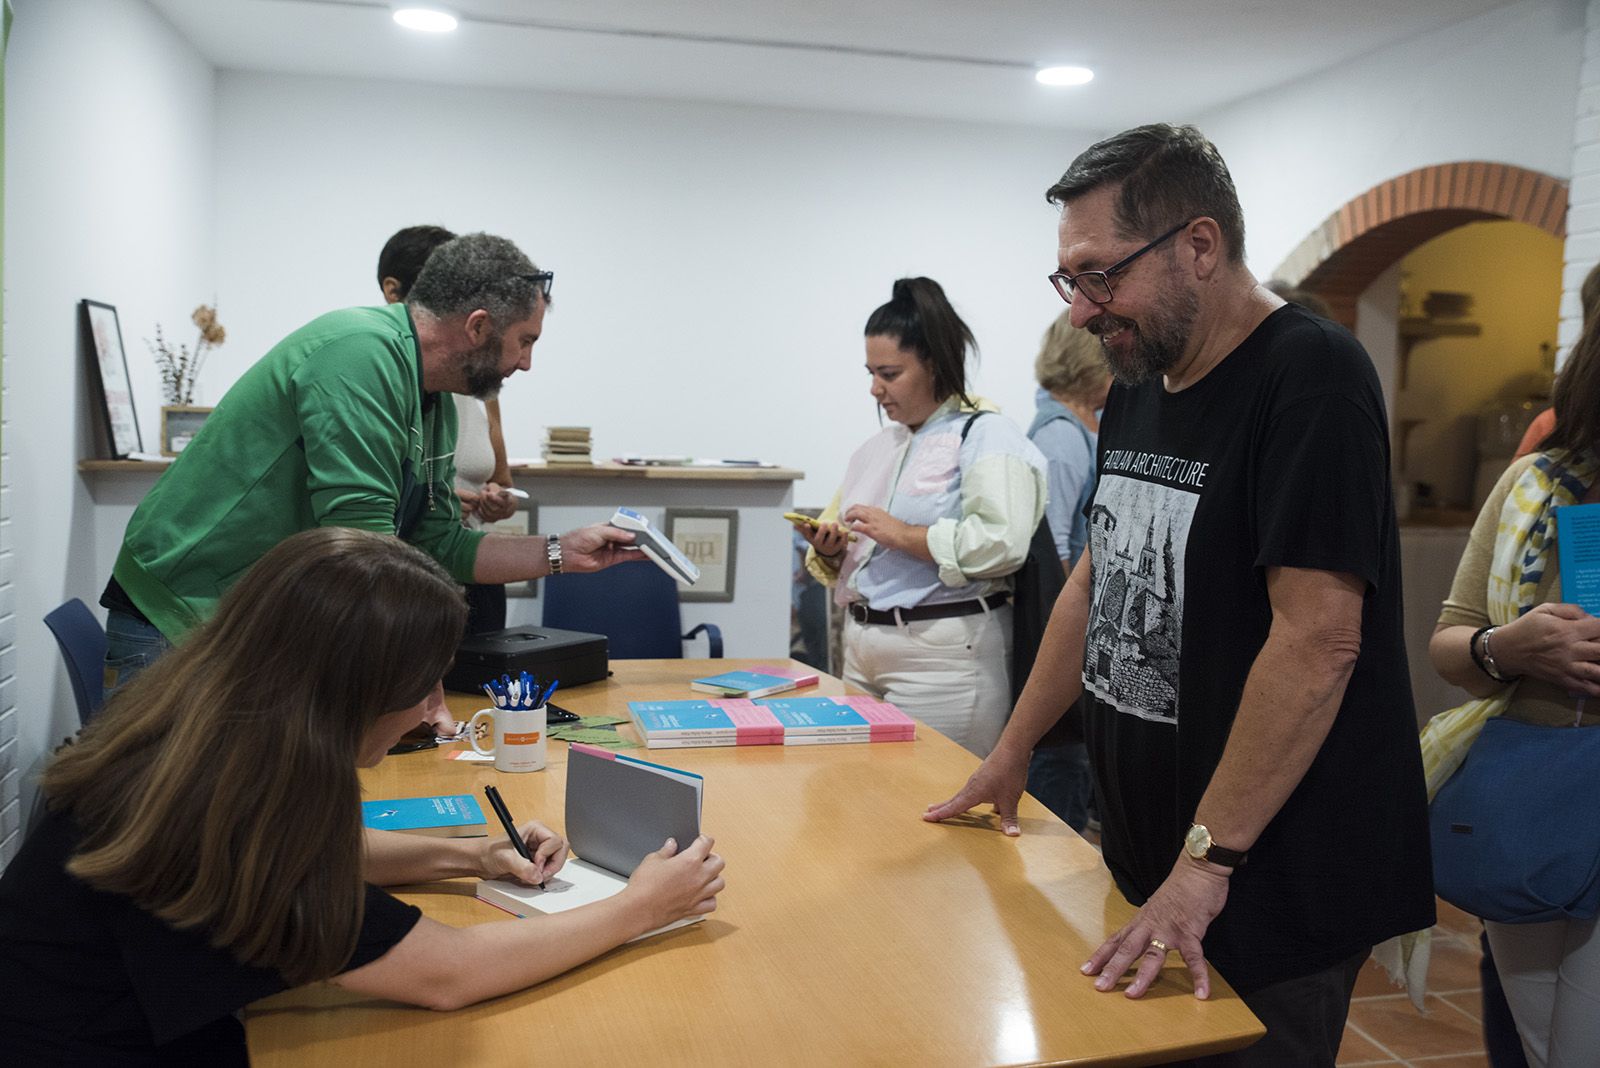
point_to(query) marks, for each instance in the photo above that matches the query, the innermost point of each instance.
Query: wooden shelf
(1415, 328)
(126, 467)
(534, 472)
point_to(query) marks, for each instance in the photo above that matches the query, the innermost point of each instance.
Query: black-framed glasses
(545, 280)
(1096, 285)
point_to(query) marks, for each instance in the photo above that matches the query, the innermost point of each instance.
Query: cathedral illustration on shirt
(1138, 533)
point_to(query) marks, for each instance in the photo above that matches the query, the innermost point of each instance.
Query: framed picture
(524, 521)
(109, 383)
(709, 537)
(179, 424)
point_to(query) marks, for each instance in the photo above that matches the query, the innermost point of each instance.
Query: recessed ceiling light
(1064, 75)
(429, 19)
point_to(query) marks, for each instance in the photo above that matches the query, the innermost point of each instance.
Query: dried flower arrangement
(180, 366)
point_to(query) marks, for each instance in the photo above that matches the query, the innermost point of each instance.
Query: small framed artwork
(109, 383)
(709, 537)
(524, 521)
(179, 424)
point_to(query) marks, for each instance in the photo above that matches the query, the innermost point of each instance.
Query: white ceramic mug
(517, 734)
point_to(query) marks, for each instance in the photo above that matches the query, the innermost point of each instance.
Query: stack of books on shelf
(777, 721)
(568, 445)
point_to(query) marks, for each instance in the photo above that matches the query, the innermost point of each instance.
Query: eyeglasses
(1096, 285)
(545, 280)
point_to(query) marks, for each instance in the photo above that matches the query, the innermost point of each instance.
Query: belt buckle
(858, 611)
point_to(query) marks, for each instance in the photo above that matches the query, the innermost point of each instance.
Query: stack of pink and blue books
(777, 721)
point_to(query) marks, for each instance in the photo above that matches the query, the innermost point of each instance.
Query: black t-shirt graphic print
(1279, 457)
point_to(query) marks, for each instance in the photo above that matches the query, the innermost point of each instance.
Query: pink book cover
(802, 676)
(752, 724)
(888, 722)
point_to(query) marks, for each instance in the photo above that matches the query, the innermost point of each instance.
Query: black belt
(862, 614)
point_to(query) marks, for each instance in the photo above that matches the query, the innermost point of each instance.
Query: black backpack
(1035, 587)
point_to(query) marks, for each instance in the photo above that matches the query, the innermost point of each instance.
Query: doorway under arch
(1357, 243)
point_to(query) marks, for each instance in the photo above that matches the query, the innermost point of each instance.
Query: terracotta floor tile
(1357, 1048)
(1394, 1024)
(1453, 966)
(1462, 923)
(1373, 982)
(1459, 1060)
(1470, 1003)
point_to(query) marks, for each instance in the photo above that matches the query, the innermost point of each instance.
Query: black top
(1278, 457)
(87, 977)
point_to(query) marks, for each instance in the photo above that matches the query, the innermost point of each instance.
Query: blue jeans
(1059, 777)
(132, 645)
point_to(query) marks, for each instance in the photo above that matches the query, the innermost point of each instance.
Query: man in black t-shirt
(1236, 619)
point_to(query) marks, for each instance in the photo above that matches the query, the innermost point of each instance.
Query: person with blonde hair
(204, 846)
(1074, 380)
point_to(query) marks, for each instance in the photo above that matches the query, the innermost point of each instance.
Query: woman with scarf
(1506, 637)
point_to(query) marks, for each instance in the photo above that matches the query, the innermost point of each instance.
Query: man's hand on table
(1176, 916)
(999, 780)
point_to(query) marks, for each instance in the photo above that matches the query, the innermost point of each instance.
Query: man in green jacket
(343, 424)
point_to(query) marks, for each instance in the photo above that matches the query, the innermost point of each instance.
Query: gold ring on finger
(1156, 943)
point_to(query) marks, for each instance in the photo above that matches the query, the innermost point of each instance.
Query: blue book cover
(1578, 552)
(679, 715)
(802, 713)
(754, 683)
(448, 815)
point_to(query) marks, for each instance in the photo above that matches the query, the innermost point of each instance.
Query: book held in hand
(619, 810)
(697, 724)
(445, 816)
(763, 680)
(1578, 553)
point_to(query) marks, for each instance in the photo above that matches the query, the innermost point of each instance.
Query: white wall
(714, 264)
(109, 194)
(1500, 87)
(1583, 212)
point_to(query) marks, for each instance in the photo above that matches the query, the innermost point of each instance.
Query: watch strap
(553, 553)
(1228, 858)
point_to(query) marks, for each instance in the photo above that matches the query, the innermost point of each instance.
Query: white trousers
(953, 674)
(1551, 975)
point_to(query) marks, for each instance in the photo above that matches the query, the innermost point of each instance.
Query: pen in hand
(499, 806)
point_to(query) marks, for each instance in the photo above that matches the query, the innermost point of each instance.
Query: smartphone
(810, 521)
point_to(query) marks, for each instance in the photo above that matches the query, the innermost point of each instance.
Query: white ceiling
(1154, 59)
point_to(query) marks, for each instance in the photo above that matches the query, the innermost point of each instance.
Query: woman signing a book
(204, 848)
(934, 514)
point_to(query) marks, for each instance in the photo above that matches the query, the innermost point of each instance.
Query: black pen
(510, 824)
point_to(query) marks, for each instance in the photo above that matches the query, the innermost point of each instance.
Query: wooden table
(851, 932)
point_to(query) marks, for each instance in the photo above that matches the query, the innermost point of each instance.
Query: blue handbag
(1516, 830)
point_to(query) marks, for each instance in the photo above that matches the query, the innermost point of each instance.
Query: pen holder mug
(517, 735)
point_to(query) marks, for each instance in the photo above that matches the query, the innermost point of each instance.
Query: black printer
(548, 654)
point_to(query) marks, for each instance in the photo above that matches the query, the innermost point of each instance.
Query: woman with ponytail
(204, 848)
(934, 514)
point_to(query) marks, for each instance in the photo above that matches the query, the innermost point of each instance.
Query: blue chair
(635, 605)
(83, 647)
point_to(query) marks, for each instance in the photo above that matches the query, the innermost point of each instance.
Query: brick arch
(1364, 238)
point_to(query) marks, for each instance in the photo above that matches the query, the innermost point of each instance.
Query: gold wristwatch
(1198, 844)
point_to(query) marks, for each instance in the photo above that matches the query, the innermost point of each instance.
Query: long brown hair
(1577, 396)
(218, 790)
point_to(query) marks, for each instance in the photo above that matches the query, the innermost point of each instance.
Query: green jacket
(327, 429)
